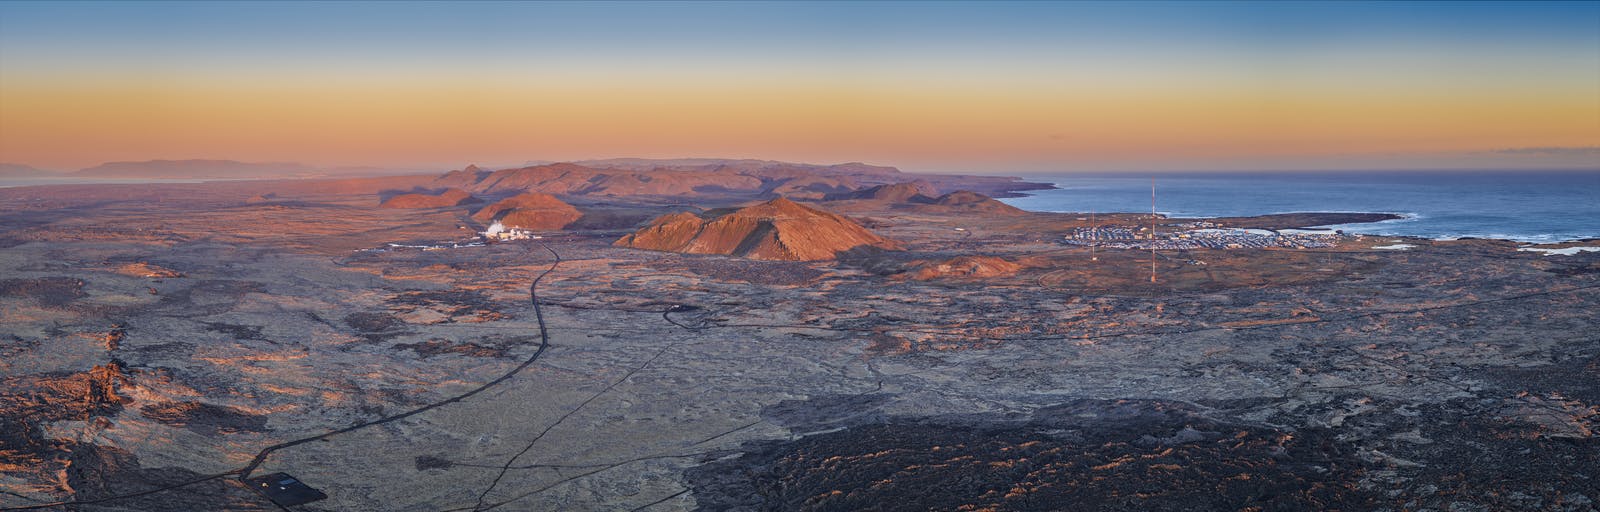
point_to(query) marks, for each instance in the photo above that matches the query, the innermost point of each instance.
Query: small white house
(498, 232)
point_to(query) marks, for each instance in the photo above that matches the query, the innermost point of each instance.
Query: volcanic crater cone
(450, 197)
(531, 210)
(779, 229)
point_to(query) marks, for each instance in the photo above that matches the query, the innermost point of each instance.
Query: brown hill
(807, 186)
(907, 192)
(963, 201)
(779, 229)
(531, 210)
(450, 197)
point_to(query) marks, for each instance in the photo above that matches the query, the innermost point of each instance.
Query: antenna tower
(1152, 229)
(1094, 234)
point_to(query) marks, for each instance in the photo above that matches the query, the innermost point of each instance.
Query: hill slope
(919, 191)
(450, 197)
(779, 229)
(531, 210)
(963, 201)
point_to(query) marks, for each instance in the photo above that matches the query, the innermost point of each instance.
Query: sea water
(1527, 206)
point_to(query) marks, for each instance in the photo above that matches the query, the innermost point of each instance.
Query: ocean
(1526, 206)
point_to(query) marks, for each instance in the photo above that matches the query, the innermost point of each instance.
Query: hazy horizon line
(380, 170)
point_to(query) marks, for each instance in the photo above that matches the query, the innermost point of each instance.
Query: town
(1200, 235)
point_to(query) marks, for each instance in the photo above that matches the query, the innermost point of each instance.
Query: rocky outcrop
(448, 198)
(965, 267)
(47, 291)
(147, 270)
(779, 229)
(204, 418)
(28, 404)
(908, 265)
(529, 211)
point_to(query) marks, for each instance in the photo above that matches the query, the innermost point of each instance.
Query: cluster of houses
(1198, 236)
(498, 232)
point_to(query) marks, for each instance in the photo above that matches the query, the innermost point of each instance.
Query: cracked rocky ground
(145, 346)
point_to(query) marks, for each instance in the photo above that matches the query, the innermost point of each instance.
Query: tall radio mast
(1094, 234)
(1152, 229)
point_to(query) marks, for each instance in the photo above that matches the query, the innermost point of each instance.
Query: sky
(938, 86)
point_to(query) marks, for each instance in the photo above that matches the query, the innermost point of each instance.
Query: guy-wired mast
(1094, 234)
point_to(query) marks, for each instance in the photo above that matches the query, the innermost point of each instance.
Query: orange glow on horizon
(891, 121)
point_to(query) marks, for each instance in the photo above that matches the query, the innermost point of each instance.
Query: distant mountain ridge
(227, 169)
(628, 176)
(711, 176)
(751, 166)
(921, 196)
(180, 169)
(607, 177)
(814, 181)
(779, 229)
(907, 192)
(11, 170)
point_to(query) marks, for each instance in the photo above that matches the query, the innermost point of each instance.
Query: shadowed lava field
(157, 335)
